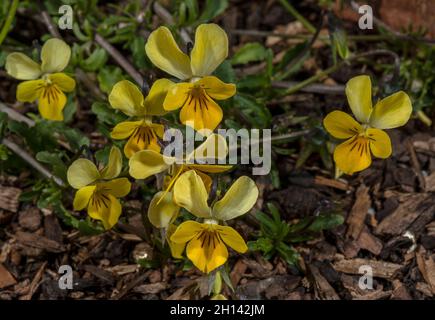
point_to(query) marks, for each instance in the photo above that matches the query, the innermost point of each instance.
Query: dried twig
(50, 25)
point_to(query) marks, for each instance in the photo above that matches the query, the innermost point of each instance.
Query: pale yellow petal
(51, 103)
(117, 187)
(239, 199)
(380, 143)
(359, 96)
(217, 89)
(162, 210)
(144, 164)
(214, 147)
(114, 164)
(81, 173)
(341, 125)
(165, 54)
(191, 194)
(63, 82)
(127, 97)
(21, 67)
(353, 155)
(55, 55)
(210, 49)
(29, 91)
(232, 238)
(82, 196)
(156, 97)
(392, 112)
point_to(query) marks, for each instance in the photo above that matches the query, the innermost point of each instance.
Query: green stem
(9, 19)
(298, 16)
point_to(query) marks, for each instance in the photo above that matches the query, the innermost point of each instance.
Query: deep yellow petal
(156, 97)
(29, 91)
(125, 129)
(127, 97)
(239, 199)
(51, 103)
(81, 173)
(210, 168)
(201, 113)
(392, 112)
(232, 238)
(186, 231)
(81, 199)
(191, 194)
(62, 81)
(21, 67)
(165, 54)
(341, 125)
(162, 210)
(207, 252)
(217, 89)
(55, 54)
(210, 49)
(208, 181)
(353, 155)
(380, 143)
(144, 164)
(117, 187)
(176, 248)
(114, 164)
(177, 96)
(143, 137)
(359, 96)
(106, 208)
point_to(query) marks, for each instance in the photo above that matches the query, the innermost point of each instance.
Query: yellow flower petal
(162, 210)
(392, 112)
(341, 125)
(201, 113)
(156, 97)
(359, 96)
(29, 91)
(81, 173)
(239, 199)
(191, 194)
(186, 231)
(143, 137)
(114, 164)
(106, 208)
(214, 147)
(127, 97)
(177, 96)
(62, 81)
(217, 89)
(210, 49)
(208, 181)
(353, 155)
(380, 143)
(21, 67)
(210, 168)
(232, 238)
(144, 164)
(55, 55)
(176, 248)
(125, 129)
(81, 199)
(207, 251)
(51, 103)
(165, 54)
(117, 187)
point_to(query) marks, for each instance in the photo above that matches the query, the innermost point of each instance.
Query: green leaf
(250, 52)
(254, 110)
(108, 76)
(225, 72)
(106, 114)
(95, 61)
(212, 9)
(325, 222)
(58, 167)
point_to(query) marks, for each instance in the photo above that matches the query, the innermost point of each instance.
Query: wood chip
(427, 268)
(333, 183)
(381, 269)
(9, 198)
(358, 213)
(35, 282)
(238, 271)
(6, 278)
(36, 241)
(323, 290)
(30, 218)
(150, 288)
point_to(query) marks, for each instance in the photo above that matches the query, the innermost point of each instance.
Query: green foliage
(250, 52)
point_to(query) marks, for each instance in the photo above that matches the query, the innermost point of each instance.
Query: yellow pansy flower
(141, 133)
(366, 136)
(196, 94)
(99, 190)
(206, 243)
(162, 211)
(45, 82)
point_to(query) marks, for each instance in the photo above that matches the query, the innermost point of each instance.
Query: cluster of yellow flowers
(187, 184)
